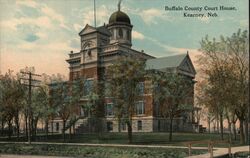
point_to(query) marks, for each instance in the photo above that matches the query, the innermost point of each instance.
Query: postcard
(124, 78)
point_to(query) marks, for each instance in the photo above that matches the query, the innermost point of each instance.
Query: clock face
(87, 51)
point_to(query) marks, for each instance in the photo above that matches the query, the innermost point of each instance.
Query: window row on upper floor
(139, 108)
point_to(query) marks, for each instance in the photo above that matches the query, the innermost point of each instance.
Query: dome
(119, 16)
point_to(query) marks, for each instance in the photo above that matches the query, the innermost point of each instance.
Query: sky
(42, 33)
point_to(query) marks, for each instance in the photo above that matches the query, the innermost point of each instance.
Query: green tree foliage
(12, 93)
(91, 95)
(40, 107)
(224, 65)
(60, 99)
(172, 92)
(204, 99)
(47, 110)
(67, 97)
(238, 49)
(124, 76)
(76, 95)
(2, 118)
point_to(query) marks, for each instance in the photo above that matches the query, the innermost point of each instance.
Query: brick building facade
(103, 45)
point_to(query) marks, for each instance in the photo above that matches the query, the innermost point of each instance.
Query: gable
(187, 67)
(87, 29)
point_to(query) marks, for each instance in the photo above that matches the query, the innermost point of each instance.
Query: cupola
(120, 28)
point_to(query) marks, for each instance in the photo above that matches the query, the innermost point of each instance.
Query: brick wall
(89, 72)
(148, 101)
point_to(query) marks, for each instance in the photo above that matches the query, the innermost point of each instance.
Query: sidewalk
(221, 152)
(111, 145)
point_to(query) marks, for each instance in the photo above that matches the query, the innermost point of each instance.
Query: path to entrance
(222, 151)
(217, 151)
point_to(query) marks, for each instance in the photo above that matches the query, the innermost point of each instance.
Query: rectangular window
(88, 87)
(157, 88)
(76, 75)
(123, 126)
(57, 126)
(140, 109)
(159, 125)
(82, 113)
(109, 109)
(107, 89)
(157, 108)
(110, 126)
(141, 88)
(139, 125)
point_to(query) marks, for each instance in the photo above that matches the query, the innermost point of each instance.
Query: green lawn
(95, 152)
(144, 138)
(138, 138)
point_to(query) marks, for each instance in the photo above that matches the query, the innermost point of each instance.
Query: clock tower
(86, 62)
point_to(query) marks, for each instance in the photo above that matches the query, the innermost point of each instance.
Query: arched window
(128, 35)
(120, 33)
(113, 34)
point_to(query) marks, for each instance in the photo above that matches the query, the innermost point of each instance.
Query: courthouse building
(100, 47)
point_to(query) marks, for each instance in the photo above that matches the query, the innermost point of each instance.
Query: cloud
(170, 49)
(27, 3)
(137, 35)
(13, 23)
(54, 16)
(103, 14)
(52, 48)
(27, 32)
(87, 14)
(26, 11)
(28, 40)
(152, 15)
(42, 35)
(28, 28)
(149, 15)
(46, 16)
(46, 58)
(77, 27)
(75, 43)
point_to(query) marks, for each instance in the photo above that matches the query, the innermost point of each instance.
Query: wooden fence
(210, 145)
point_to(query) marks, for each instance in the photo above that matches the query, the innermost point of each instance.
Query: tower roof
(119, 16)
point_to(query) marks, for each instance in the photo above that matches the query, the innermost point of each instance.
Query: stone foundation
(110, 124)
(146, 125)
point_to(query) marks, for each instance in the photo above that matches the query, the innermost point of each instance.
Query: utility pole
(30, 85)
(94, 14)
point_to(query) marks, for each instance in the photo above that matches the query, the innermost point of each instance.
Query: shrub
(93, 152)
